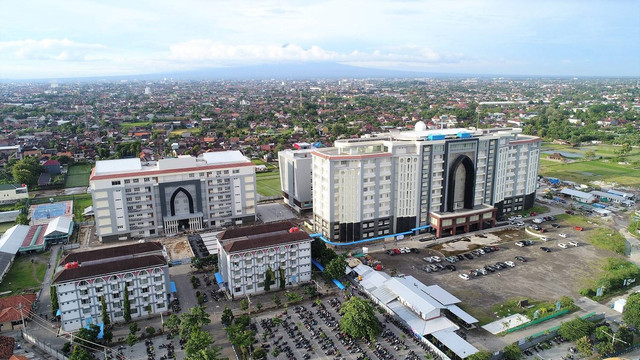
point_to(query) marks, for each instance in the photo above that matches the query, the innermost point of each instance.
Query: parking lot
(544, 276)
(311, 331)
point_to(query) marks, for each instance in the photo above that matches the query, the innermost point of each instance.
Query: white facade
(243, 267)
(295, 178)
(10, 193)
(397, 182)
(134, 199)
(79, 297)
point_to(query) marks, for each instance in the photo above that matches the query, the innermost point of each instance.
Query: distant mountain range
(318, 70)
(284, 71)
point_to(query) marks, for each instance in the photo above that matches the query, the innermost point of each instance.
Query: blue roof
(173, 287)
(219, 278)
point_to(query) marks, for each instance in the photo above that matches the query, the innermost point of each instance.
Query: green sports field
(78, 175)
(268, 183)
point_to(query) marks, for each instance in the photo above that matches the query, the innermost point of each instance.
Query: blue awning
(219, 278)
(173, 287)
(58, 312)
(89, 321)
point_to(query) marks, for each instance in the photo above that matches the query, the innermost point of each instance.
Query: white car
(563, 245)
(573, 243)
(563, 235)
(464, 276)
(405, 250)
(520, 243)
(510, 263)
(544, 238)
(537, 221)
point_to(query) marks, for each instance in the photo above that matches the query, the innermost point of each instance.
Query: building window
(115, 182)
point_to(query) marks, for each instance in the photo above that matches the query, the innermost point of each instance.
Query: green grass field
(80, 202)
(25, 275)
(128, 125)
(5, 226)
(608, 239)
(78, 175)
(268, 184)
(585, 171)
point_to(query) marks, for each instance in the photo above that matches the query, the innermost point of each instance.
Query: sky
(77, 38)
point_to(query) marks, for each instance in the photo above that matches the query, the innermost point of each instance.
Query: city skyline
(86, 38)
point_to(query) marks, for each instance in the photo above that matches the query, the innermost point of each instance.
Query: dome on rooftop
(420, 126)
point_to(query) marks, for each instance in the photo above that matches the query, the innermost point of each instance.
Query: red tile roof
(6, 346)
(10, 307)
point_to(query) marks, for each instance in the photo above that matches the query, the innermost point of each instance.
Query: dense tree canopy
(26, 171)
(631, 313)
(359, 319)
(576, 329)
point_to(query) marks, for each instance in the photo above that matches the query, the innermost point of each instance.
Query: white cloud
(50, 49)
(207, 51)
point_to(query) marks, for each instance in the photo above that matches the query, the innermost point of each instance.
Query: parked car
(528, 242)
(397, 251)
(510, 263)
(553, 218)
(436, 259)
(427, 269)
(563, 235)
(391, 252)
(563, 245)
(533, 213)
(543, 230)
(489, 268)
(578, 228)
(460, 257)
(519, 223)
(520, 243)
(468, 256)
(573, 243)
(544, 238)
(555, 225)
(545, 249)
(538, 221)
(570, 212)
(482, 271)
(405, 250)
(521, 258)
(450, 267)
(415, 251)
(464, 276)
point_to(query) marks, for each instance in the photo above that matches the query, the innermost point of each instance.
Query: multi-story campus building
(295, 176)
(245, 254)
(139, 199)
(450, 180)
(89, 276)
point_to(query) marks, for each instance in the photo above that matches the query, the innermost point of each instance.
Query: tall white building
(245, 254)
(296, 176)
(139, 199)
(452, 180)
(89, 276)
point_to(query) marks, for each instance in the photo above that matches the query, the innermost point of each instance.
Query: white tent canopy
(58, 226)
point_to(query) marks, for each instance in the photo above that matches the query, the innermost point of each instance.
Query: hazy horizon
(79, 38)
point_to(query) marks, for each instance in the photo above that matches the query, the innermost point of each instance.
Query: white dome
(420, 126)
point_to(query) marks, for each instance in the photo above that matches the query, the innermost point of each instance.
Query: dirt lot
(545, 276)
(177, 246)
